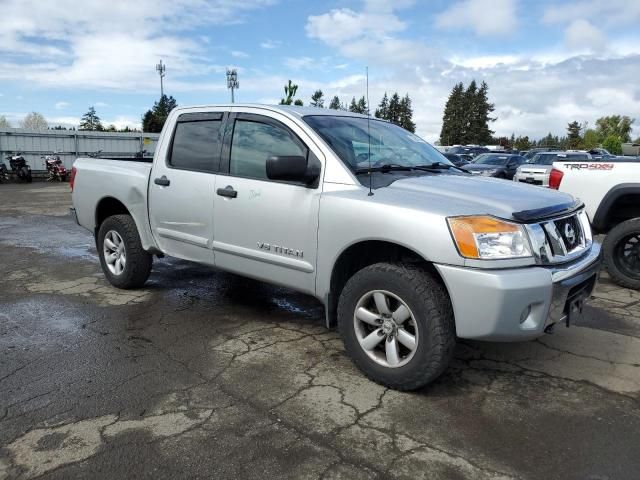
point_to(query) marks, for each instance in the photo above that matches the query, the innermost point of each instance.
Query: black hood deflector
(527, 216)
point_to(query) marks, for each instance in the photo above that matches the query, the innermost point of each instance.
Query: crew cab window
(253, 142)
(196, 145)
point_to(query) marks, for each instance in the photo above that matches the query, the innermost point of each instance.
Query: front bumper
(517, 304)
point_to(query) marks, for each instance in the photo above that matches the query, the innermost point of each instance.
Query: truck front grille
(562, 239)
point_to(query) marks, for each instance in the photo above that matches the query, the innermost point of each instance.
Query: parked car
(536, 171)
(611, 194)
(470, 150)
(406, 252)
(456, 159)
(495, 165)
(600, 154)
(529, 155)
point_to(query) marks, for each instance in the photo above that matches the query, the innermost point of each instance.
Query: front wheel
(621, 249)
(124, 262)
(397, 324)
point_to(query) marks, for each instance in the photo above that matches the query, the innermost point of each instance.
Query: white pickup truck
(610, 191)
(405, 251)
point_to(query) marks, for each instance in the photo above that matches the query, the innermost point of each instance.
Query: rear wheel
(124, 262)
(621, 249)
(397, 325)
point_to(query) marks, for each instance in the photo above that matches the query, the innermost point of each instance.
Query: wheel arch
(621, 203)
(106, 207)
(361, 254)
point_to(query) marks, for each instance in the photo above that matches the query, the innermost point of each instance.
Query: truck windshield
(390, 144)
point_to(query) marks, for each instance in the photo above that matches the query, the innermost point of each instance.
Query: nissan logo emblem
(570, 233)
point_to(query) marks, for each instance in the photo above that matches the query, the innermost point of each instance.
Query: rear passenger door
(182, 187)
(263, 228)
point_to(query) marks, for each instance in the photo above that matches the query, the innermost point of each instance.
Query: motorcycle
(55, 168)
(20, 168)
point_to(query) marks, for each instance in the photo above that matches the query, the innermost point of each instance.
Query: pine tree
(290, 90)
(393, 113)
(383, 108)
(153, 120)
(482, 110)
(91, 121)
(317, 99)
(358, 106)
(573, 135)
(335, 103)
(453, 118)
(406, 114)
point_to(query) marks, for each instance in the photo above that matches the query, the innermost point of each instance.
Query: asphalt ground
(202, 374)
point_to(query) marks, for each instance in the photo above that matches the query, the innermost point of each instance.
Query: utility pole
(160, 68)
(232, 82)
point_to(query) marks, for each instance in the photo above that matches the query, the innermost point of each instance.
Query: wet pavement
(202, 374)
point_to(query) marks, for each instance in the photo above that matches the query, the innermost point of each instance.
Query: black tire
(431, 307)
(623, 264)
(138, 261)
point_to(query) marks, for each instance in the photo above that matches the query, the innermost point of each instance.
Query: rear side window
(196, 145)
(253, 142)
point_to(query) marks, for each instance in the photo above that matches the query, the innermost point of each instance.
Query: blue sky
(546, 62)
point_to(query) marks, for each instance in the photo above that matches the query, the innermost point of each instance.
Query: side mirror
(291, 168)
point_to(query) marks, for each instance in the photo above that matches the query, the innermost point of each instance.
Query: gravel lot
(207, 375)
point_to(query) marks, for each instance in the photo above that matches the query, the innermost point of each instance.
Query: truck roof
(288, 109)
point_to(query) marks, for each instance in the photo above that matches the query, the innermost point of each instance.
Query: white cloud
(484, 17)
(100, 104)
(239, 54)
(270, 44)
(112, 44)
(582, 35)
(610, 12)
(367, 34)
(61, 105)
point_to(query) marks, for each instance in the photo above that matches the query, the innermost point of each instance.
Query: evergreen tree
(383, 108)
(453, 118)
(482, 110)
(406, 114)
(317, 99)
(573, 135)
(290, 91)
(522, 143)
(358, 106)
(153, 120)
(335, 103)
(393, 113)
(91, 121)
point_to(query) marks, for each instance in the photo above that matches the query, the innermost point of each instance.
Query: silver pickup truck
(406, 252)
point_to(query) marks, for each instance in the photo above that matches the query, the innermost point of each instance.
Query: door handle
(227, 191)
(164, 181)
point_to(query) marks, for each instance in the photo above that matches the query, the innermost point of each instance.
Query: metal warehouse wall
(70, 144)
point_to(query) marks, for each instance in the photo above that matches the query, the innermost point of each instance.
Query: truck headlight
(488, 238)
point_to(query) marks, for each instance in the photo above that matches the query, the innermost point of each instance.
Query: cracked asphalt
(202, 374)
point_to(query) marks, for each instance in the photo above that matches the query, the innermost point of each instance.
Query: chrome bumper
(517, 304)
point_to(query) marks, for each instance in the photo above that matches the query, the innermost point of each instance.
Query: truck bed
(123, 180)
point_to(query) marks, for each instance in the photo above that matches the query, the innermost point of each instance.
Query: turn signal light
(555, 177)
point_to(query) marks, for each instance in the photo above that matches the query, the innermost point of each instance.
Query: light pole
(160, 68)
(232, 82)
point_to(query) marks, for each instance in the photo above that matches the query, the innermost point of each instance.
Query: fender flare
(601, 216)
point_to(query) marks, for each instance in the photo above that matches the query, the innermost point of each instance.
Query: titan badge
(292, 252)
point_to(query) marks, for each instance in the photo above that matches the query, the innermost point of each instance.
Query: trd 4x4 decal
(589, 166)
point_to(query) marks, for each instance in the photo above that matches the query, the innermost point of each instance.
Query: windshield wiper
(436, 166)
(387, 167)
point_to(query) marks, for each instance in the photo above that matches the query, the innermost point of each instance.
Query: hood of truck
(452, 195)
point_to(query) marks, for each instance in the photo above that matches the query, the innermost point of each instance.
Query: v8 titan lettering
(407, 253)
(279, 249)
